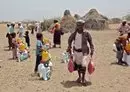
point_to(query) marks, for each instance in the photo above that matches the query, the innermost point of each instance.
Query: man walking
(81, 50)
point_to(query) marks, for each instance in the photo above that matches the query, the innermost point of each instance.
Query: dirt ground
(17, 76)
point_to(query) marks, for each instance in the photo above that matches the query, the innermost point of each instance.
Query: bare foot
(78, 80)
(54, 46)
(86, 83)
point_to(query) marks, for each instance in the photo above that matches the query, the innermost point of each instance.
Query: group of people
(122, 44)
(18, 45)
(21, 33)
(78, 48)
(43, 58)
(37, 28)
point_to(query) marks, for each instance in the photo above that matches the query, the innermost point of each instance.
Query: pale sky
(39, 9)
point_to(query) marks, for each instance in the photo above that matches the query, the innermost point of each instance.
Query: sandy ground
(17, 77)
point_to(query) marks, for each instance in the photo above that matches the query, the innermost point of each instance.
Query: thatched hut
(47, 24)
(94, 20)
(115, 21)
(68, 22)
(77, 17)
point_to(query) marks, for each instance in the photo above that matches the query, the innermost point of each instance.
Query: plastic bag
(91, 67)
(23, 56)
(71, 65)
(65, 57)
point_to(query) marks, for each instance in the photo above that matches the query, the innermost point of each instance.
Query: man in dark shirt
(81, 50)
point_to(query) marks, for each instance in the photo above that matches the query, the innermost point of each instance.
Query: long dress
(57, 36)
(21, 32)
(126, 57)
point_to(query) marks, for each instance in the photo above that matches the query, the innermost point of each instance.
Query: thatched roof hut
(68, 22)
(77, 17)
(94, 20)
(115, 21)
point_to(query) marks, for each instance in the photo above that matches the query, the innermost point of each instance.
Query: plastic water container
(40, 69)
(44, 72)
(65, 57)
(45, 56)
(24, 56)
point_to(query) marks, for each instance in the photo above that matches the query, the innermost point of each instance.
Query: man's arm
(91, 44)
(71, 38)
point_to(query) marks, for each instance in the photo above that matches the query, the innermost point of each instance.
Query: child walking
(14, 45)
(39, 46)
(27, 38)
(9, 36)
